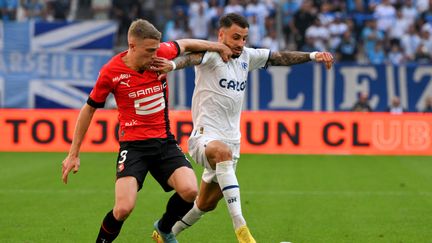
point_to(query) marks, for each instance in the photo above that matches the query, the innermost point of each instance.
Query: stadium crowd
(366, 31)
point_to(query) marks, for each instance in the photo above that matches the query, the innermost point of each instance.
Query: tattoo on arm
(287, 58)
(190, 59)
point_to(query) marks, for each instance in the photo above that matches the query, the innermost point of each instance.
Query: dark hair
(228, 20)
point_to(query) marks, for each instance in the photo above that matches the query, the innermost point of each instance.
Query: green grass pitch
(295, 198)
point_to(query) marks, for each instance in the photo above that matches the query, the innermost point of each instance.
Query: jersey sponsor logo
(147, 91)
(131, 123)
(232, 84)
(152, 105)
(121, 77)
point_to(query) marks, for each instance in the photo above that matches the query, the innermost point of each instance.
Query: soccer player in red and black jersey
(146, 143)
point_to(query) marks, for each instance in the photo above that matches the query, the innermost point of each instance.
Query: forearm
(84, 118)
(287, 58)
(196, 45)
(188, 60)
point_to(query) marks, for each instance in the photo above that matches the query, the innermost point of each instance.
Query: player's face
(235, 38)
(145, 52)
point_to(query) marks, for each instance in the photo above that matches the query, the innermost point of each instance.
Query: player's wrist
(312, 55)
(174, 66)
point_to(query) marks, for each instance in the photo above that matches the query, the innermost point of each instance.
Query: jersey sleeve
(210, 58)
(168, 50)
(258, 58)
(100, 91)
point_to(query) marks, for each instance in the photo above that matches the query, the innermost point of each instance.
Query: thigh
(184, 182)
(197, 149)
(132, 162)
(172, 159)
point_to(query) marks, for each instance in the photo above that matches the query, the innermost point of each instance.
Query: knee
(121, 212)
(189, 194)
(218, 152)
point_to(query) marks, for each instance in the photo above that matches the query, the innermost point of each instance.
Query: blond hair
(142, 29)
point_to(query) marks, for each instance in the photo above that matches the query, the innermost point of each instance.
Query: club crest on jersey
(244, 66)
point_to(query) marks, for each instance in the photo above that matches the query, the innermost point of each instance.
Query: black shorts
(159, 156)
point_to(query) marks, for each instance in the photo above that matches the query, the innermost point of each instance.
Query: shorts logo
(120, 167)
(122, 159)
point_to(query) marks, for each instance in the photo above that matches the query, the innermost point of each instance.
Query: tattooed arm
(162, 65)
(287, 58)
(190, 59)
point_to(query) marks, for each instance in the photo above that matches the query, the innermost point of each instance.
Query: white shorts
(196, 147)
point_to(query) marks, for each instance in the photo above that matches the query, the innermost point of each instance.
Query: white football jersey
(219, 92)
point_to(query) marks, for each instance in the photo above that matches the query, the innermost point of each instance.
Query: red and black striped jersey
(141, 98)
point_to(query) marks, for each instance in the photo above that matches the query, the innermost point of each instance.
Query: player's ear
(221, 34)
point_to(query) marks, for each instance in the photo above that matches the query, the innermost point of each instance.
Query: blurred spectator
(409, 11)
(396, 106)
(424, 49)
(362, 104)
(302, 19)
(255, 33)
(100, 8)
(148, 10)
(319, 34)
(347, 49)
(199, 21)
(385, 14)
(289, 7)
(174, 31)
(395, 55)
(9, 9)
(410, 42)
(270, 41)
(423, 5)
(370, 36)
(395, 34)
(233, 7)
(259, 9)
(428, 105)
(308, 45)
(377, 56)
(32, 10)
(326, 14)
(336, 28)
(124, 11)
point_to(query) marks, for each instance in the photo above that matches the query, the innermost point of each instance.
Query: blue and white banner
(73, 36)
(311, 87)
(52, 65)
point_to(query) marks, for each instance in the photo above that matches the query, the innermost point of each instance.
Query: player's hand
(224, 51)
(70, 163)
(161, 65)
(326, 58)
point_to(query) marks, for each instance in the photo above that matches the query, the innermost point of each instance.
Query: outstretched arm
(287, 58)
(163, 65)
(72, 161)
(196, 45)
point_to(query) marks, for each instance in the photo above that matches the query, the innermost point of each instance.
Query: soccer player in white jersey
(216, 109)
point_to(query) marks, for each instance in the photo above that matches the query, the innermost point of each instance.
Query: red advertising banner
(262, 132)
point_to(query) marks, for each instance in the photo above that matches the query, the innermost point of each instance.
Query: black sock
(175, 210)
(109, 229)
